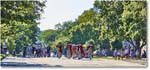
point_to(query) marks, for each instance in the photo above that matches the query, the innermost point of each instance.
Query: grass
(2, 56)
(108, 57)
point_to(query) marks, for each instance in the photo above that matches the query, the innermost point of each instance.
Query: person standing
(59, 51)
(74, 51)
(29, 51)
(48, 51)
(33, 50)
(90, 50)
(65, 51)
(132, 53)
(24, 51)
(69, 50)
(115, 53)
(81, 51)
(5, 48)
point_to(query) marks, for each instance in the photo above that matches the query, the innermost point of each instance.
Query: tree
(122, 20)
(19, 22)
(48, 36)
(134, 20)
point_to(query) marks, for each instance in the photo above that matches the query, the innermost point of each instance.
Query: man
(132, 53)
(65, 51)
(33, 50)
(24, 51)
(5, 48)
(48, 51)
(59, 51)
(90, 50)
(115, 53)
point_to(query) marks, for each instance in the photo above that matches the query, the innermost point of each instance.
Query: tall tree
(18, 22)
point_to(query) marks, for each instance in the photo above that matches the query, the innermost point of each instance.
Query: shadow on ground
(23, 64)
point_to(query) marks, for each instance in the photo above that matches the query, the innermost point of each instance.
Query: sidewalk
(64, 62)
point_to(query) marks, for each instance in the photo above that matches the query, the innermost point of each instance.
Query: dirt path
(64, 62)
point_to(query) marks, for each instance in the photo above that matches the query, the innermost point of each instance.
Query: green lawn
(1, 56)
(108, 57)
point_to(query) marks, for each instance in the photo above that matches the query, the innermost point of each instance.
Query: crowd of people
(76, 51)
(69, 51)
(129, 52)
(36, 51)
(123, 53)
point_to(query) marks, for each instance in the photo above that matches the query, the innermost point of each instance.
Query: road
(64, 62)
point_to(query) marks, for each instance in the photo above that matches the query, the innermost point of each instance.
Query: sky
(58, 11)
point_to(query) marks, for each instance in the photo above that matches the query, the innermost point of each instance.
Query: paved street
(64, 62)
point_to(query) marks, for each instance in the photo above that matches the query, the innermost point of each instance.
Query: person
(65, 51)
(104, 52)
(126, 52)
(24, 51)
(115, 53)
(144, 54)
(44, 52)
(137, 53)
(81, 51)
(98, 52)
(5, 48)
(14, 53)
(90, 50)
(2, 50)
(120, 54)
(55, 53)
(33, 50)
(37, 52)
(59, 51)
(29, 51)
(74, 51)
(48, 51)
(69, 50)
(132, 53)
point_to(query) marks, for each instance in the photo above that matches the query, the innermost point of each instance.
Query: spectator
(115, 53)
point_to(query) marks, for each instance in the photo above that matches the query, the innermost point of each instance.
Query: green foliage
(18, 22)
(122, 20)
(111, 23)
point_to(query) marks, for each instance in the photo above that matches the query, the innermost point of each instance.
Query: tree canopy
(108, 23)
(19, 22)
